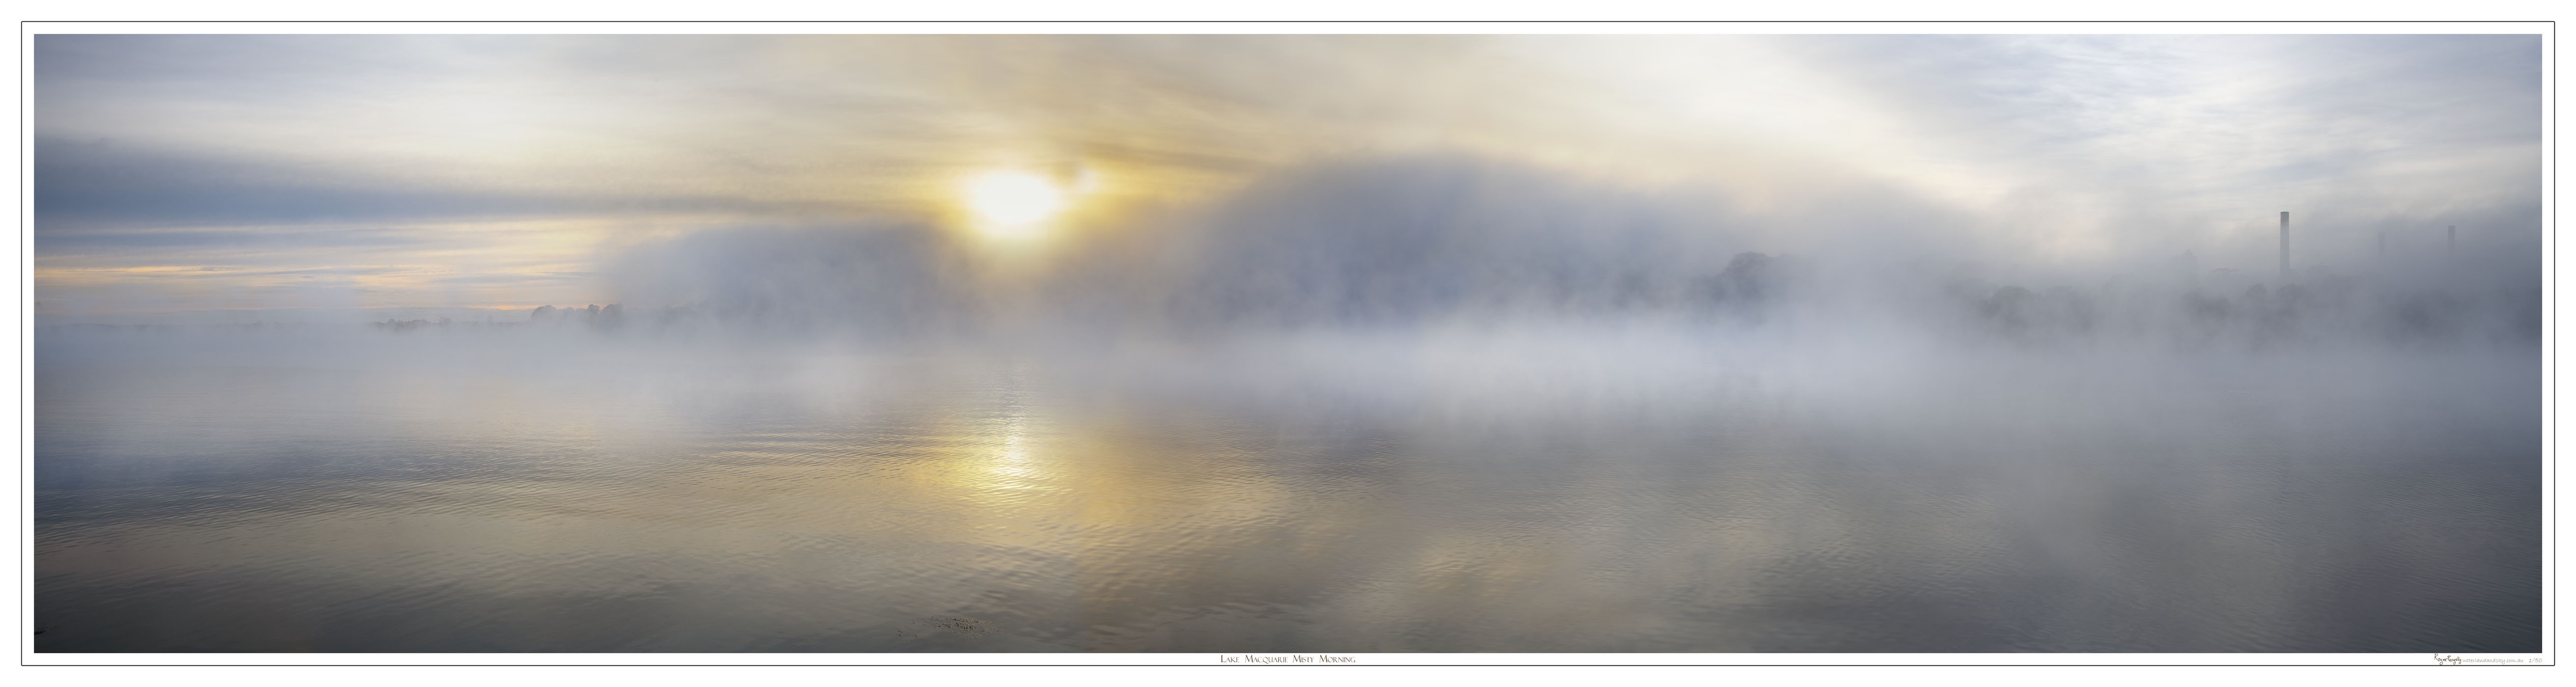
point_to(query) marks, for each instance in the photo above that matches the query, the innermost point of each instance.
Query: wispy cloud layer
(481, 170)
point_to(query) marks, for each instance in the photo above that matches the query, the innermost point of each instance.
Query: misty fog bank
(1410, 243)
(1436, 260)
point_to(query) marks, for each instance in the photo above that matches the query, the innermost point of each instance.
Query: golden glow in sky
(239, 172)
(1011, 204)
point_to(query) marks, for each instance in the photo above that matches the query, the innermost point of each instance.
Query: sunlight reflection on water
(329, 510)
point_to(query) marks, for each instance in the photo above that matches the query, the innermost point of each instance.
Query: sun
(1011, 203)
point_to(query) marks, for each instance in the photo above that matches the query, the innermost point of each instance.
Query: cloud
(2144, 145)
(2064, 153)
(81, 187)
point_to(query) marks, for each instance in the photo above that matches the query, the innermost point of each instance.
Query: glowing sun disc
(1013, 199)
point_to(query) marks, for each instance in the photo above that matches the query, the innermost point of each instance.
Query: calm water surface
(283, 507)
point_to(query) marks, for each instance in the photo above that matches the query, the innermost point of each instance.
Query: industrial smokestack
(2285, 245)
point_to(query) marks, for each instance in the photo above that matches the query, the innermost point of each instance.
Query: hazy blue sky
(227, 172)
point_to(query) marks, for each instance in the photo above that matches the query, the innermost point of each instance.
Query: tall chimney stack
(2285, 245)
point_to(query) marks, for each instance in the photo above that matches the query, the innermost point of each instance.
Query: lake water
(962, 503)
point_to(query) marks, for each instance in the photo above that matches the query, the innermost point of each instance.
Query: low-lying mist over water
(1676, 377)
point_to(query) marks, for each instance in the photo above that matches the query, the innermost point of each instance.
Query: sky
(178, 173)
